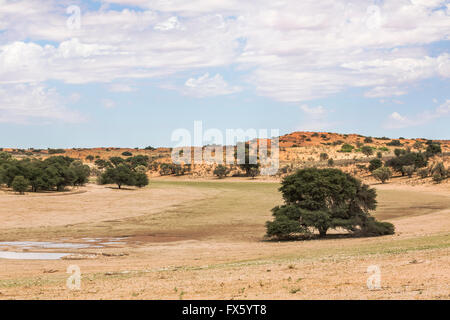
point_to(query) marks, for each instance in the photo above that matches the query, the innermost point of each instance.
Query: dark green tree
(323, 199)
(20, 184)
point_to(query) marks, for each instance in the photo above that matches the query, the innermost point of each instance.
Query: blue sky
(135, 71)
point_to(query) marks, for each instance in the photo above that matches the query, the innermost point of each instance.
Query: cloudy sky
(130, 72)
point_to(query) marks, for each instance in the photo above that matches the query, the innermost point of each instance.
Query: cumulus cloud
(34, 103)
(398, 121)
(291, 51)
(316, 119)
(206, 86)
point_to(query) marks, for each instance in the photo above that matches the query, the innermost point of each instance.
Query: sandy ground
(89, 204)
(228, 259)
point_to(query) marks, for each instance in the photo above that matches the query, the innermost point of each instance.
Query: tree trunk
(322, 232)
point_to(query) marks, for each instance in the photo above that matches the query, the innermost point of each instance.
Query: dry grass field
(204, 239)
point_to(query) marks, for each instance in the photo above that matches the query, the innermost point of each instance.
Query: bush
(423, 173)
(90, 158)
(102, 164)
(368, 140)
(56, 151)
(221, 171)
(375, 164)
(433, 149)
(419, 160)
(331, 162)
(367, 150)
(399, 152)
(394, 143)
(323, 156)
(346, 148)
(20, 184)
(439, 172)
(382, 174)
(127, 154)
(417, 145)
(408, 170)
(379, 155)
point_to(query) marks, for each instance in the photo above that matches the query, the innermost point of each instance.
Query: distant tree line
(52, 174)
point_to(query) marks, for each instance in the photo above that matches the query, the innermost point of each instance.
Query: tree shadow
(333, 236)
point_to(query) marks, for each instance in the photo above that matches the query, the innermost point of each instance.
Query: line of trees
(52, 174)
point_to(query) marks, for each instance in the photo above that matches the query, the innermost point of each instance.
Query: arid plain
(182, 238)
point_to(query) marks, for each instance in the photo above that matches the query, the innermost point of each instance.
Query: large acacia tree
(323, 199)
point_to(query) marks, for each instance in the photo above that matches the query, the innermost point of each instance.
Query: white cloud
(34, 103)
(292, 50)
(206, 86)
(108, 103)
(316, 119)
(316, 112)
(397, 121)
(381, 91)
(169, 24)
(120, 87)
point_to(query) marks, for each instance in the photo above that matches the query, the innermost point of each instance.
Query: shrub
(90, 157)
(331, 162)
(394, 143)
(419, 160)
(367, 151)
(379, 155)
(439, 172)
(382, 174)
(423, 173)
(56, 151)
(102, 164)
(375, 164)
(399, 152)
(433, 149)
(408, 170)
(127, 154)
(417, 145)
(323, 156)
(20, 184)
(368, 140)
(346, 148)
(221, 171)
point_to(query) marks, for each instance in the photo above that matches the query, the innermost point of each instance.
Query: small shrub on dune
(382, 174)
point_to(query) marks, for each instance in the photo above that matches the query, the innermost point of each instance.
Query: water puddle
(32, 255)
(44, 245)
(28, 246)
